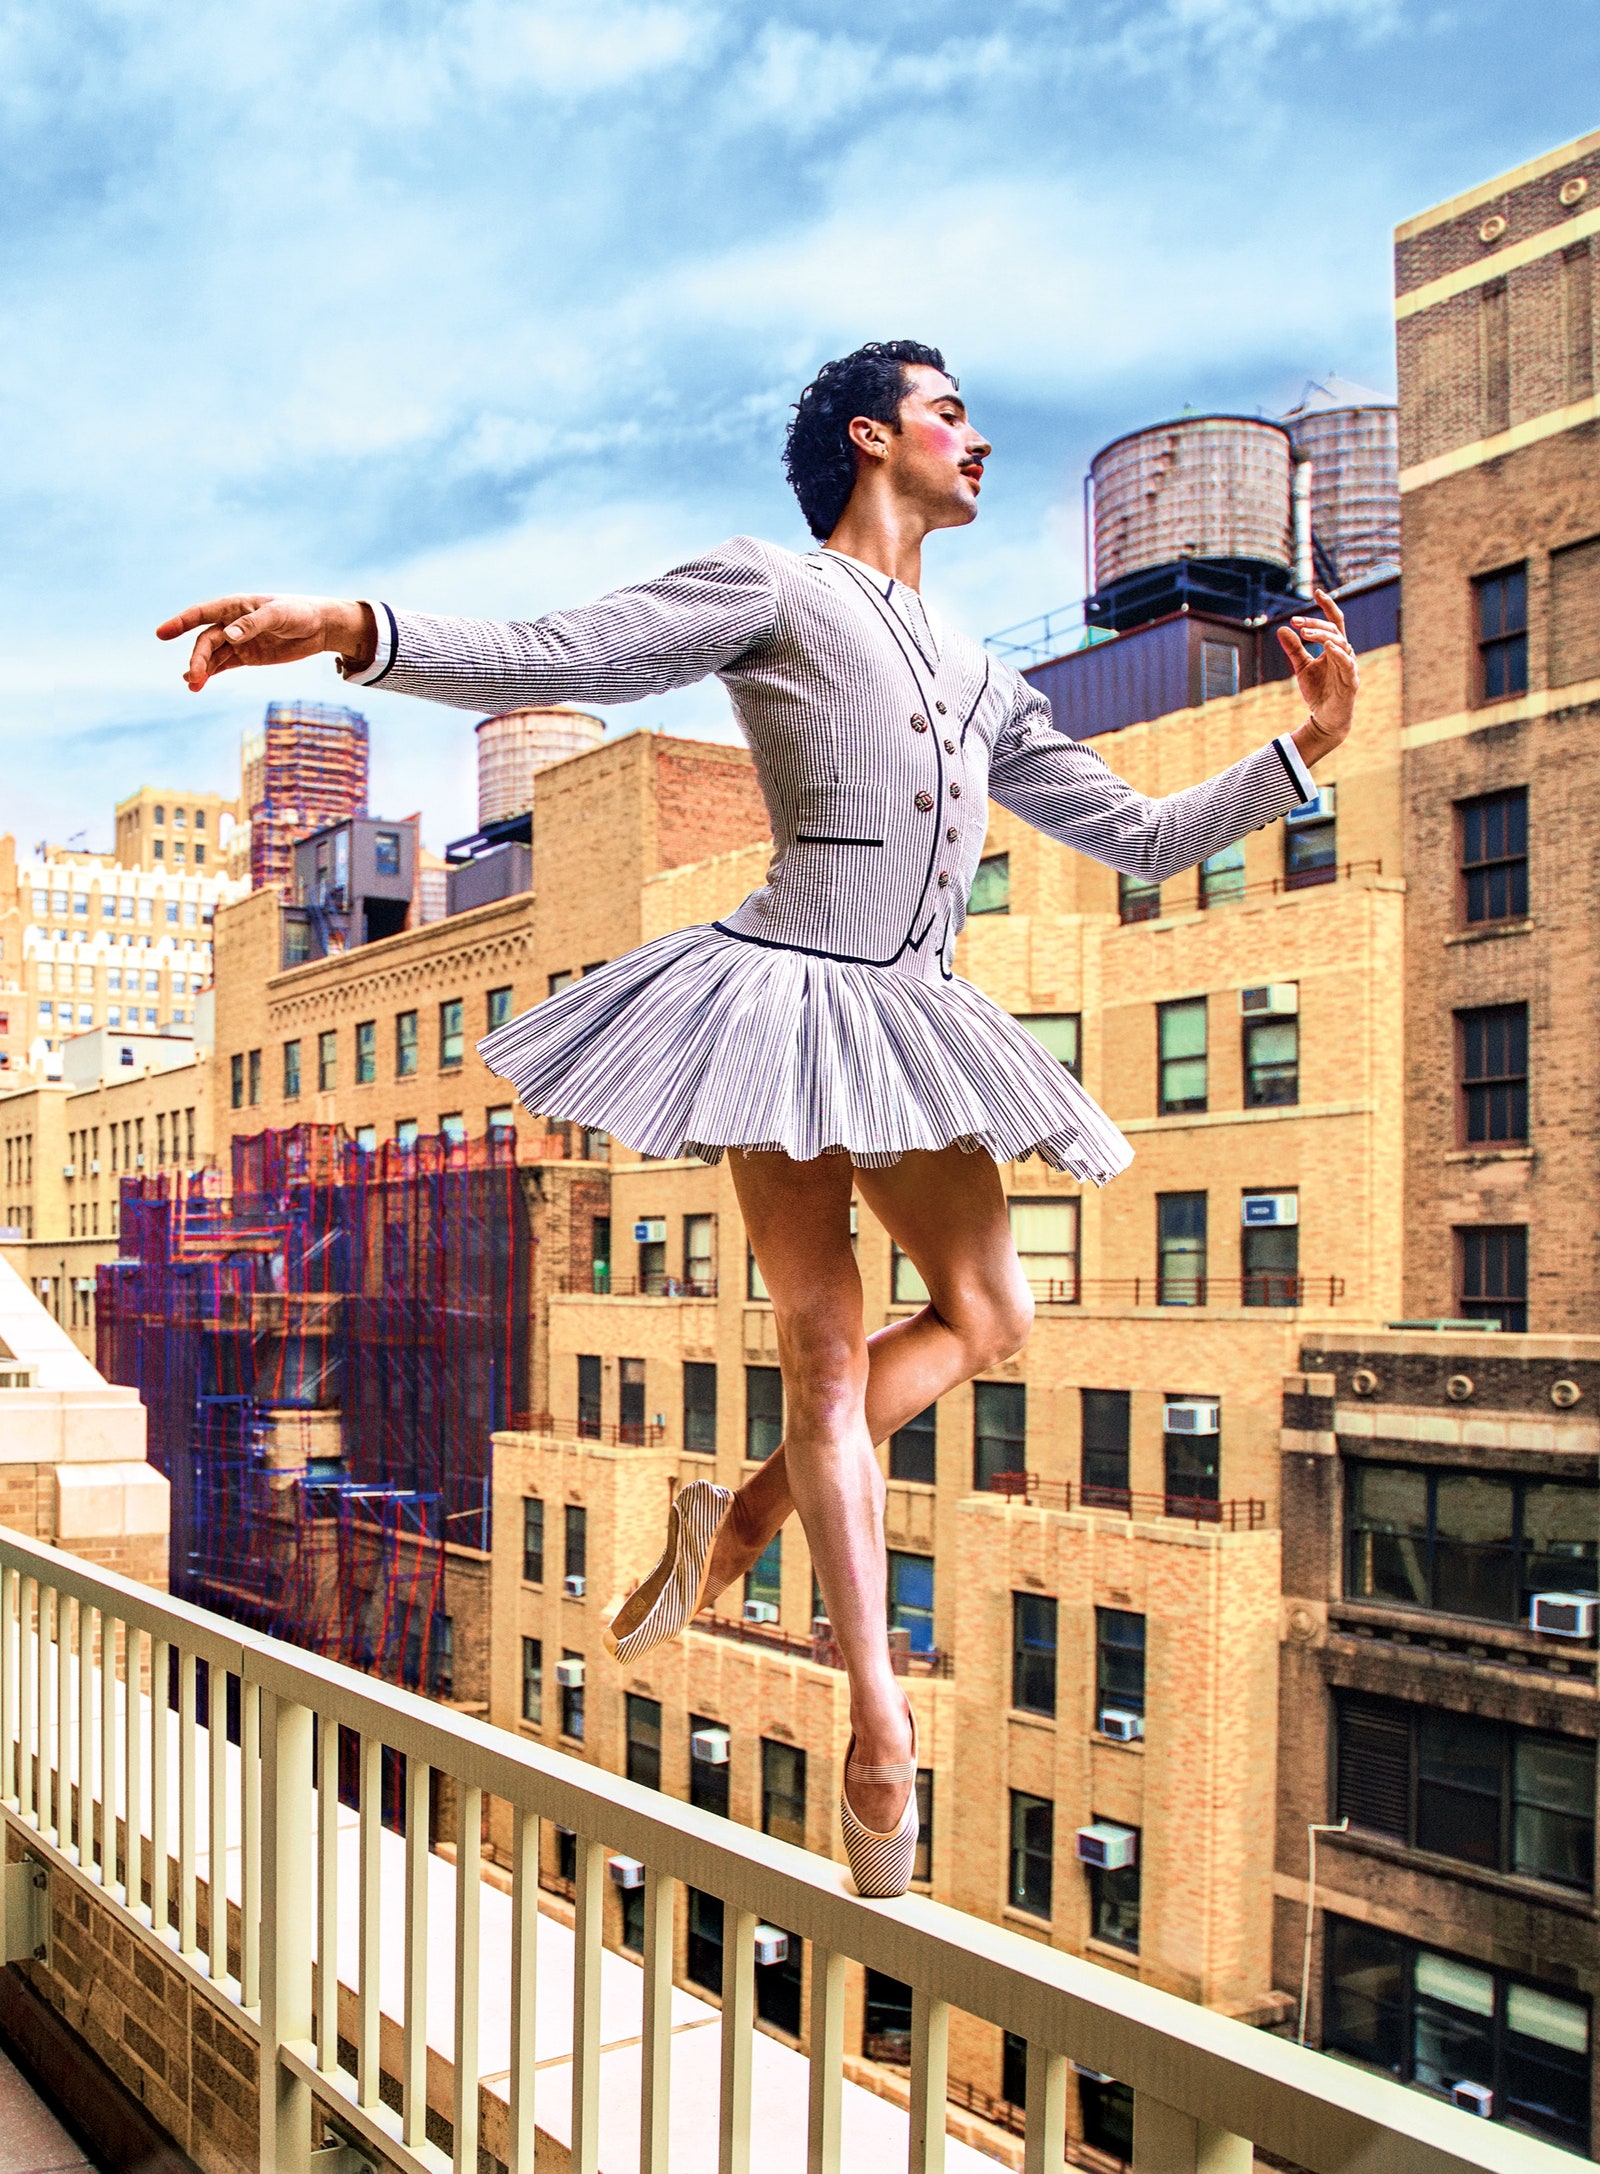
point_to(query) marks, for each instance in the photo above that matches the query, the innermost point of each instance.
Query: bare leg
(947, 1211)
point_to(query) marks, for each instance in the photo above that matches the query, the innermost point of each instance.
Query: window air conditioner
(772, 1946)
(138, 1160)
(1193, 1415)
(1263, 1210)
(1474, 2098)
(1565, 1615)
(1107, 1846)
(625, 1871)
(1117, 1723)
(1277, 1000)
(652, 1231)
(69, 1169)
(569, 1674)
(760, 1611)
(94, 1169)
(1313, 811)
(575, 1586)
(710, 1746)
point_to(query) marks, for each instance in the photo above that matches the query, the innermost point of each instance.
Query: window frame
(754, 1419)
(1512, 863)
(1520, 1554)
(1168, 1104)
(1033, 1657)
(1169, 1285)
(698, 1410)
(1509, 1307)
(791, 1823)
(1254, 1097)
(987, 1397)
(1022, 1853)
(1492, 1107)
(452, 1033)
(1501, 649)
(406, 1045)
(533, 1537)
(1113, 1636)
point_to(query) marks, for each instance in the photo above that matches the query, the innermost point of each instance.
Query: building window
(407, 1130)
(1493, 1264)
(1509, 1799)
(1045, 1233)
(236, 1080)
(700, 1407)
(999, 1430)
(1219, 671)
(783, 1791)
(453, 1128)
(763, 1581)
(533, 1539)
(1192, 1467)
(1492, 1061)
(1502, 609)
(755, 1284)
(1061, 1033)
(1137, 900)
(575, 1553)
(1271, 1062)
(1180, 1249)
(1436, 2021)
(911, 1598)
(913, 1447)
(291, 1071)
(886, 2020)
(1105, 1422)
(1114, 1902)
(1494, 857)
(588, 1396)
(327, 1061)
(1467, 1543)
(906, 1287)
(1311, 844)
(630, 1400)
(991, 886)
(653, 1257)
(1033, 1653)
(498, 1008)
(1032, 1853)
(254, 1065)
(1270, 1264)
(708, 1778)
(704, 1956)
(763, 1412)
(644, 1740)
(452, 1033)
(1119, 1661)
(366, 1052)
(572, 1702)
(405, 1045)
(699, 1256)
(1222, 877)
(1181, 1033)
(442, 1656)
(563, 980)
(1107, 2110)
(778, 1987)
(1575, 612)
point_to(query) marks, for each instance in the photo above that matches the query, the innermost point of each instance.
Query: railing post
(587, 1920)
(288, 1915)
(469, 1890)
(1168, 2142)
(414, 2048)
(827, 2061)
(930, 2063)
(1044, 2149)
(738, 2028)
(656, 2052)
(524, 1987)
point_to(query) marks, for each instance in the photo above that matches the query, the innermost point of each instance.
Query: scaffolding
(305, 767)
(324, 1352)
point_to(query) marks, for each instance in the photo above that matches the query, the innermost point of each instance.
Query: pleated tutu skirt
(699, 1041)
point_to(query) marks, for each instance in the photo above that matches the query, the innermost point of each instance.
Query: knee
(995, 1321)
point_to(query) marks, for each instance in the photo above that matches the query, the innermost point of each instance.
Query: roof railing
(101, 1783)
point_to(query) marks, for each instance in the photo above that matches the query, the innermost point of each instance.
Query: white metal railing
(111, 1789)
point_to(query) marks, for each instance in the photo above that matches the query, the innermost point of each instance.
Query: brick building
(1500, 481)
(157, 828)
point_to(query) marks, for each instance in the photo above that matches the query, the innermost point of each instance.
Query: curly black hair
(818, 457)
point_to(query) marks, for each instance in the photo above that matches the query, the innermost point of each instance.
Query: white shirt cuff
(1297, 768)
(388, 642)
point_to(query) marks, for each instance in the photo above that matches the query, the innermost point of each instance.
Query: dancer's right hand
(271, 630)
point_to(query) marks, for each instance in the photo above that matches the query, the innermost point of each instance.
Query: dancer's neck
(883, 534)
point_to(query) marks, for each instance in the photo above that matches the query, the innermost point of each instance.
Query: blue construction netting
(324, 1352)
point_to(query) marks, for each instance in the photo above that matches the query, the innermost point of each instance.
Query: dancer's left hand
(1328, 683)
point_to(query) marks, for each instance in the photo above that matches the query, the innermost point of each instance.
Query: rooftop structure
(306, 766)
(515, 746)
(1348, 435)
(161, 827)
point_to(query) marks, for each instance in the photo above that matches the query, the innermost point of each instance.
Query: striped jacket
(878, 740)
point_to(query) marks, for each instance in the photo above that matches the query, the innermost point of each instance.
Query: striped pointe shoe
(670, 1597)
(881, 1864)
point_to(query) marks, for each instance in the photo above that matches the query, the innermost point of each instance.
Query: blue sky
(486, 306)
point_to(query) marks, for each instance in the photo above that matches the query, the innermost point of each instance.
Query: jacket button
(943, 880)
(924, 801)
(949, 747)
(919, 723)
(939, 706)
(952, 835)
(955, 792)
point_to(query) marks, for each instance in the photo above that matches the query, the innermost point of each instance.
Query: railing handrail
(1146, 1290)
(1234, 1513)
(1325, 2116)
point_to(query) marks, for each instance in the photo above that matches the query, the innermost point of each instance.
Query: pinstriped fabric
(670, 1596)
(881, 1864)
(823, 1013)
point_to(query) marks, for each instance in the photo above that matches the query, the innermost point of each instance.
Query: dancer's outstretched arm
(1066, 789)
(645, 640)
